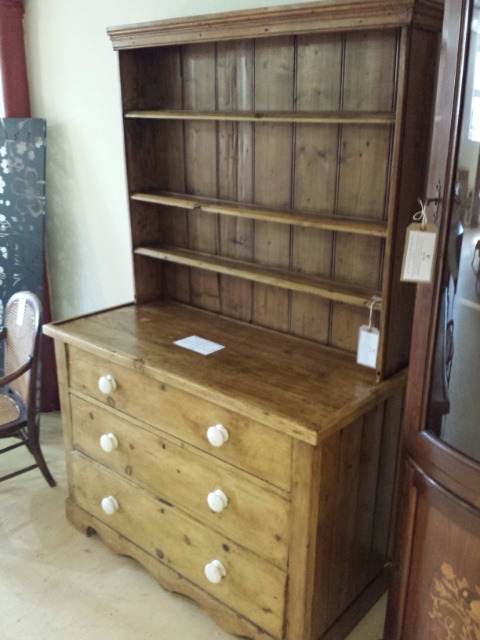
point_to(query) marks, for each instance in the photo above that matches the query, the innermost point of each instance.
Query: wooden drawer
(252, 586)
(251, 446)
(254, 517)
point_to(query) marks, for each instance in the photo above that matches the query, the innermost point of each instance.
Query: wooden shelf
(307, 117)
(323, 287)
(319, 221)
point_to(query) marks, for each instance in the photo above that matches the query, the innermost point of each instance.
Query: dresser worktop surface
(289, 384)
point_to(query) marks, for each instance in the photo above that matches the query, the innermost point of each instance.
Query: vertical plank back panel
(365, 564)
(318, 87)
(364, 161)
(199, 91)
(385, 508)
(346, 505)
(274, 90)
(326, 531)
(370, 59)
(346, 324)
(235, 76)
(151, 78)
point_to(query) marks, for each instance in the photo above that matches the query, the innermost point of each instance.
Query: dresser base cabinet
(308, 470)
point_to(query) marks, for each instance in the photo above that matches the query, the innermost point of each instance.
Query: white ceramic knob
(217, 435)
(217, 501)
(109, 505)
(215, 571)
(107, 384)
(108, 442)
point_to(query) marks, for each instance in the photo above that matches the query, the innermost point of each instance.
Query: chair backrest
(22, 321)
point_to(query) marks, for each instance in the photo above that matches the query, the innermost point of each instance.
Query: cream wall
(74, 85)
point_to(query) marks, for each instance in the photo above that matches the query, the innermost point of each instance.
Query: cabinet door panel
(443, 599)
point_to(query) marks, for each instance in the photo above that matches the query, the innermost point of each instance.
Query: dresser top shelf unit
(275, 158)
(305, 391)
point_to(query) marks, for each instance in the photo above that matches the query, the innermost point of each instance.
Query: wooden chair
(18, 387)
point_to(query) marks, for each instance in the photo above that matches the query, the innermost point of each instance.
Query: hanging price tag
(419, 254)
(368, 339)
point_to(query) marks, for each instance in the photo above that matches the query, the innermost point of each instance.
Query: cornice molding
(316, 17)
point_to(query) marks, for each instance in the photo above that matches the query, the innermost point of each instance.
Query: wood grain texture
(255, 517)
(305, 493)
(444, 574)
(242, 115)
(319, 70)
(349, 569)
(274, 86)
(180, 414)
(184, 544)
(343, 543)
(330, 390)
(151, 79)
(235, 72)
(281, 279)
(149, 164)
(364, 160)
(199, 88)
(327, 506)
(300, 218)
(423, 47)
(333, 15)
(168, 578)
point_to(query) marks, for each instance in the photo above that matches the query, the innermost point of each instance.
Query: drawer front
(251, 446)
(253, 516)
(252, 587)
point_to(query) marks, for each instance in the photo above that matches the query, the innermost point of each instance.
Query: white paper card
(367, 352)
(419, 253)
(21, 310)
(194, 343)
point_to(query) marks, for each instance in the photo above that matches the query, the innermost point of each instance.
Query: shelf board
(323, 287)
(241, 210)
(307, 117)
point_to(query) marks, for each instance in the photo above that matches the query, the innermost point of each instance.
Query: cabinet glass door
(454, 409)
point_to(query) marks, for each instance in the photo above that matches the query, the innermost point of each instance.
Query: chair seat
(9, 410)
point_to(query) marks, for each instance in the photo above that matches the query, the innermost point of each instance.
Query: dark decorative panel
(22, 208)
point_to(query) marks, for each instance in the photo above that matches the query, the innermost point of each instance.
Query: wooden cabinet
(435, 592)
(274, 160)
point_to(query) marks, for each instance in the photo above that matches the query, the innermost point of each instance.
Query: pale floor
(56, 584)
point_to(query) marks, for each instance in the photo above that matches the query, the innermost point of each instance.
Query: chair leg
(35, 450)
(42, 465)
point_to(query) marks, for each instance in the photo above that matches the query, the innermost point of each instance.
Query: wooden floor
(55, 583)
